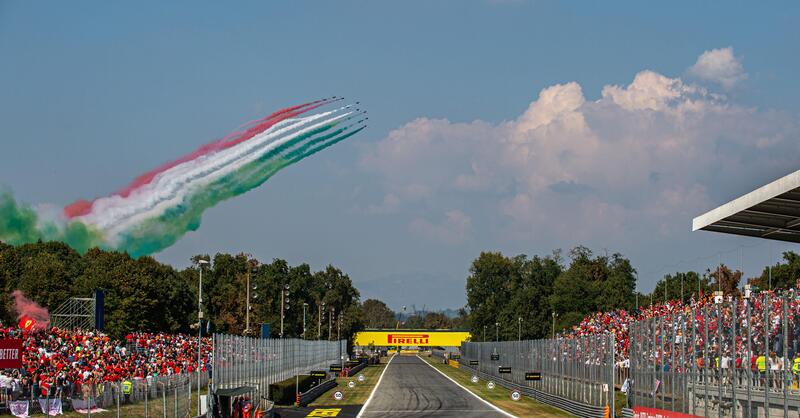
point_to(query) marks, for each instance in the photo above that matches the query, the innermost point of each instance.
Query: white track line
(364, 408)
(469, 391)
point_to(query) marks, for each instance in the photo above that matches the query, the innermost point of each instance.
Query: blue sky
(463, 154)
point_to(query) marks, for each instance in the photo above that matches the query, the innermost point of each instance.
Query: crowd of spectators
(65, 363)
(764, 322)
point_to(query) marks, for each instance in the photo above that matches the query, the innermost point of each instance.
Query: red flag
(26, 323)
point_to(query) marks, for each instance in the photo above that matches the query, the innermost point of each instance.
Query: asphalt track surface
(412, 388)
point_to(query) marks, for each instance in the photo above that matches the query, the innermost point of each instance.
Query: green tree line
(509, 296)
(146, 295)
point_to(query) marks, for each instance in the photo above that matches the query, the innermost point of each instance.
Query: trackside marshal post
(10, 354)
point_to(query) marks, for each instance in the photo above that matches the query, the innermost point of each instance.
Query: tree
(692, 284)
(592, 284)
(726, 280)
(377, 315)
(488, 288)
(784, 275)
(436, 320)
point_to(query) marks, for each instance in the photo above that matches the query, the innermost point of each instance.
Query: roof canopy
(771, 212)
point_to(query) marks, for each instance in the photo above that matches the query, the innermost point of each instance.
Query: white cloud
(645, 157)
(719, 66)
(454, 229)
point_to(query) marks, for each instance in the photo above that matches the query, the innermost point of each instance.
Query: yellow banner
(411, 338)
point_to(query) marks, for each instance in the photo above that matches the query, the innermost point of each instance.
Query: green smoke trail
(20, 224)
(158, 233)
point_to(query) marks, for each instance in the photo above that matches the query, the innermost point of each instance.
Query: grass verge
(357, 395)
(499, 396)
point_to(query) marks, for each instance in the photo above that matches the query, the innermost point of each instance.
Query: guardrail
(573, 407)
(353, 370)
(315, 392)
(575, 369)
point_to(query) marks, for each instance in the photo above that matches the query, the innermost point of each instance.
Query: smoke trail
(29, 309)
(21, 224)
(160, 206)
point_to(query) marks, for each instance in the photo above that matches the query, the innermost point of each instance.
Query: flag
(54, 408)
(26, 324)
(19, 408)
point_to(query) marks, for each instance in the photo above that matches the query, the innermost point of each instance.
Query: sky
(513, 126)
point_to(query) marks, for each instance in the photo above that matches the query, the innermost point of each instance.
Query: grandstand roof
(771, 211)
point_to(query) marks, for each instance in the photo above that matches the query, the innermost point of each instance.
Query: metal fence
(576, 369)
(252, 364)
(738, 357)
(159, 396)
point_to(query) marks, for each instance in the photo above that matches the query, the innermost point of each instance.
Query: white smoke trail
(115, 214)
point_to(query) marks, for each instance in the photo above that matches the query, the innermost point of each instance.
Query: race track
(412, 388)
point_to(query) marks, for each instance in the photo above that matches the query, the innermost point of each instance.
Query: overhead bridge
(411, 338)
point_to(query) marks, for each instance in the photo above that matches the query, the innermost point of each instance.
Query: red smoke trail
(30, 310)
(83, 207)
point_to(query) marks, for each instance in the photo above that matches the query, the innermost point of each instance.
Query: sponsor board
(474, 362)
(456, 357)
(411, 338)
(504, 369)
(10, 353)
(318, 373)
(640, 412)
(535, 376)
(336, 367)
(495, 357)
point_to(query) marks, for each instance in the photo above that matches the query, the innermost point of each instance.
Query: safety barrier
(572, 373)
(353, 370)
(315, 392)
(576, 408)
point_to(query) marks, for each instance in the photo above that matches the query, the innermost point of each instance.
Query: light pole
(305, 306)
(497, 331)
(320, 314)
(402, 316)
(201, 262)
(339, 339)
(284, 304)
(519, 329)
(330, 323)
(253, 271)
(554, 325)
(484, 333)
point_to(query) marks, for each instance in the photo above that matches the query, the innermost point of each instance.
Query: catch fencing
(157, 396)
(738, 357)
(575, 374)
(250, 365)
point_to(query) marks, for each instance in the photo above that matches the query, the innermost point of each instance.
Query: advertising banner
(640, 412)
(10, 353)
(406, 338)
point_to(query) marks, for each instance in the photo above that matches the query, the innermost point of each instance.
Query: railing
(159, 396)
(315, 392)
(252, 364)
(719, 359)
(579, 370)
